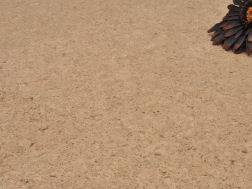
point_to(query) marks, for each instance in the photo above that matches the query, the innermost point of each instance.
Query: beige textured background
(121, 94)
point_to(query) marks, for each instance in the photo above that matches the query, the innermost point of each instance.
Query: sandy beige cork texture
(116, 94)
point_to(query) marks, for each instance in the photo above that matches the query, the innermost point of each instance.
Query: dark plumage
(235, 30)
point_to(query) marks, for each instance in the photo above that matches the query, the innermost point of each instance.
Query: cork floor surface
(116, 94)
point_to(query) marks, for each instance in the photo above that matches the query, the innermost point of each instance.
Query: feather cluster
(235, 30)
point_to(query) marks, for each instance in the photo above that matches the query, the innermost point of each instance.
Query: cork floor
(116, 94)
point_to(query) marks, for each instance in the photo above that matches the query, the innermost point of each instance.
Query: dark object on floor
(235, 30)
